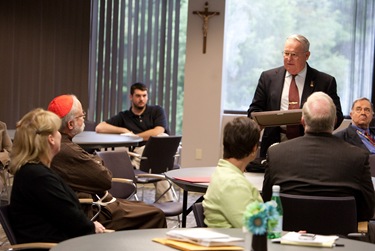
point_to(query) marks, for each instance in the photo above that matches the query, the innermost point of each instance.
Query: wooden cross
(205, 15)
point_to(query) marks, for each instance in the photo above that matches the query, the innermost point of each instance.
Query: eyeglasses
(291, 54)
(359, 110)
(81, 116)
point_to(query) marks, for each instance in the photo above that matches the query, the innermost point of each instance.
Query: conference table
(141, 240)
(196, 179)
(91, 139)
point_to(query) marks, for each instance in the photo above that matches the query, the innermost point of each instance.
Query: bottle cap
(276, 188)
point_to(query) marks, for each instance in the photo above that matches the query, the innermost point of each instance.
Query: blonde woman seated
(42, 207)
(229, 191)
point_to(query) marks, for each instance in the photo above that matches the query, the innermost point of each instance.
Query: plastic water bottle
(277, 230)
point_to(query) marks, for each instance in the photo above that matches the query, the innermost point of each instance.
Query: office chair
(4, 220)
(123, 181)
(159, 154)
(199, 214)
(158, 157)
(119, 163)
(90, 126)
(319, 214)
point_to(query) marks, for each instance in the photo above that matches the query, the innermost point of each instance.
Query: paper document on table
(294, 238)
(187, 246)
(194, 179)
(203, 237)
(129, 134)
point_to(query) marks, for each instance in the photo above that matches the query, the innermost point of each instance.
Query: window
(137, 41)
(341, 35)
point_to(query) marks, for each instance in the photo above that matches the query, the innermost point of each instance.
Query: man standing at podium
(287, 87)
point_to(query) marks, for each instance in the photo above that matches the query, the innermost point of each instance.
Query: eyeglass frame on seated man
(81, 116)
(359, 109)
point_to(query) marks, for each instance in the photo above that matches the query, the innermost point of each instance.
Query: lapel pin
(312, 84)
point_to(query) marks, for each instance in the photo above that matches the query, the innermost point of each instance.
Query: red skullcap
(61, 105)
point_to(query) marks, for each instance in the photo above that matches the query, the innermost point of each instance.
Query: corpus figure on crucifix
(205, 15)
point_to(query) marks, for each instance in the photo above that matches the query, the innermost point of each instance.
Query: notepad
(194, 179)
(294, 238)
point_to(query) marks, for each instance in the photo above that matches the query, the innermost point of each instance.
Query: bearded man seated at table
(89, 178)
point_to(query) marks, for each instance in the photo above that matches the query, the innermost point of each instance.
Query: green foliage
(255, 35)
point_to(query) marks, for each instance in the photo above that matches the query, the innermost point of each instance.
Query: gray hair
(303, 40)
(363, 99)
(319, 113)
(71, 115)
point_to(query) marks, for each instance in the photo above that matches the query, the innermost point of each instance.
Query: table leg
(184, 207)
(185, 210)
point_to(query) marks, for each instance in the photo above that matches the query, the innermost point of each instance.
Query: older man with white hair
(319, 163)
(89, 178)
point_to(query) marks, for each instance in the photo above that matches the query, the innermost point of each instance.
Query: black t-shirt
(153, 116)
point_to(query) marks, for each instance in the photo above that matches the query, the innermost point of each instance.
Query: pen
(338, 245)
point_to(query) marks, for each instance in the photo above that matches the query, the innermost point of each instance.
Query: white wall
(201, 131)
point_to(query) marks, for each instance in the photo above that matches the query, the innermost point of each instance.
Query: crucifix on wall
(205, 15)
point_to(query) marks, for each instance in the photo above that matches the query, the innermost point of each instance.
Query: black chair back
(319, 214)
(4, 220)
(118, 162)
(90, 125)
(199, 214)
(159, 153)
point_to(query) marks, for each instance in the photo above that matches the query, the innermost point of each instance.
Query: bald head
(319, 113)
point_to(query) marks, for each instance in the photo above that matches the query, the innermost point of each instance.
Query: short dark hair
(241, 135)
(138, 86)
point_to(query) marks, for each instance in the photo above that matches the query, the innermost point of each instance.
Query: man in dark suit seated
(359, 132)
(319, 163)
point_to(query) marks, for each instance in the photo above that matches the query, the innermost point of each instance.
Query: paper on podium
(278, 118)
(293, 238)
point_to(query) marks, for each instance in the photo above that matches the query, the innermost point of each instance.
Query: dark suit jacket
(350, 135)
(267, 97)
(323, 165)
